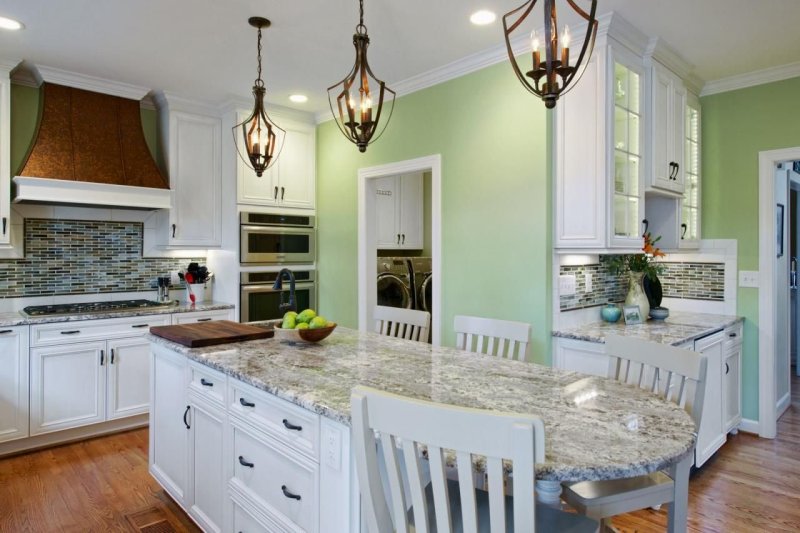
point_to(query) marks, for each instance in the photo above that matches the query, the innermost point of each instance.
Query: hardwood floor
(750, 485)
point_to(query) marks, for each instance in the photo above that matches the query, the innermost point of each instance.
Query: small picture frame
(632, 314)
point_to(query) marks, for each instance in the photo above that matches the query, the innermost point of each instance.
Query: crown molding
(90, 83)
(659, 50)
(167, 101)
(751, 79)
(8, 65)
(237, 103)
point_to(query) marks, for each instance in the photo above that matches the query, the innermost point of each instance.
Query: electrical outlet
(333, 448)
(748, 278)
(566, 285)
(589, 282)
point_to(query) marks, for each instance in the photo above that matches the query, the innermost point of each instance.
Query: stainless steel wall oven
(259, 301)
(273, 239)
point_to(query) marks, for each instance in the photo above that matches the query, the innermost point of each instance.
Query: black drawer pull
(289, 425)
(727, 368)
(5, 331)
(102, 357)
(185, 414)
(205, 383)
(245, 463)
(731, 335)
(245, 403)
(289, 494)
(205, 319)
(112, 356)
(71, 332)
(140, 326)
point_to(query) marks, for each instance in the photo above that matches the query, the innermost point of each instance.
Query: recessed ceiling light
(299, 98)
(482, 17)
(10, 24)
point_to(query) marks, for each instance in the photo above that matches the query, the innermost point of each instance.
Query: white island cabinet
(239, 459)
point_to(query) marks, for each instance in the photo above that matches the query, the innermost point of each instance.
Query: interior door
(782, 298)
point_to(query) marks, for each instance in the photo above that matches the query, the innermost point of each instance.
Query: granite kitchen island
(595, 428)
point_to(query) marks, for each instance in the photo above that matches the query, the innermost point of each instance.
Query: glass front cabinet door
(690, 203)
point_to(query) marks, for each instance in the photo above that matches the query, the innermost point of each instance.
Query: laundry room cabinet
(399, 212)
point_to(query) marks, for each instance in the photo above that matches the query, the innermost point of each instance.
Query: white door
(782, 298)
(297, 168)
(128, 377)
(208, 483)
(68, 386)
(169, 424)
(411, 211)
(13, 383)
(387, 199)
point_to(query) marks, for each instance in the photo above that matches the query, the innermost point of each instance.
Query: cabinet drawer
(733, 334)
(207, 383)
(244, 522)
(283, 480)
(291, 424)
(201, 316)
(84, 330)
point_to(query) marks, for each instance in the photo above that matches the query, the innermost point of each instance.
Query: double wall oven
(275, 240)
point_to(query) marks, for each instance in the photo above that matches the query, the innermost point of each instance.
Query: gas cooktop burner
(92, 307)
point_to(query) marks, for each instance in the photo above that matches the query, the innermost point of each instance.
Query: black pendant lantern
(356, 107)
(551, 75)
(258, 139)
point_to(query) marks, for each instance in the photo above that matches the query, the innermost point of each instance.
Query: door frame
(767, 287)
(367, 270)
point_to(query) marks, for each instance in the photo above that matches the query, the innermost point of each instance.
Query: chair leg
(606, 526)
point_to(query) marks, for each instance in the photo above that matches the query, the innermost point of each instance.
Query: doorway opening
(778, 246)
(401, 237)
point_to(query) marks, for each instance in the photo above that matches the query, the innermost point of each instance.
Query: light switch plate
(748, 278)
(566, 285)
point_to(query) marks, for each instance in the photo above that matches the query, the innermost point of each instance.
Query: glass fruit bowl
(304, 335)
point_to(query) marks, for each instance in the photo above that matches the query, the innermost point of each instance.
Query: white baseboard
(783, 404)
(749, 426)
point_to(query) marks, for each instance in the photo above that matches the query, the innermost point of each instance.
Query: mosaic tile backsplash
(79, 256)
(698, 281)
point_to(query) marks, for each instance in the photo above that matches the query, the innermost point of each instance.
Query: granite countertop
(678, 328)
(18, 319)
(595, 428)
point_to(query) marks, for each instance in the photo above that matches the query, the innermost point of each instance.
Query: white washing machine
(421, 273)
(395, 283)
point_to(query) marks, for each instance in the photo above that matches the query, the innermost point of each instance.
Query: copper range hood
(89, 149)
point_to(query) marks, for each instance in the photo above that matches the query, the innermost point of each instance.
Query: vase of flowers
(637, 266)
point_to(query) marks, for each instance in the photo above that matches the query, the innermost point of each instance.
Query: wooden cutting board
(210, 333)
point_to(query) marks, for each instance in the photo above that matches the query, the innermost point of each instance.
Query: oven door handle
(277, 230)
(267, 287)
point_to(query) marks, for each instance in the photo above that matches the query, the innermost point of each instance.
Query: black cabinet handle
(731, 335)
(205, 383)
(245, 463)
(404, 239)
(646, 224)
(398, 238)
(137, 326)
(289, 425)
(684, 227)
(102, 357)
(245, 403)
(677, 170)
(112, 356)
(5, 331)
(283, 190)
(5, 222)
(205, 319)
(289, 494)
(174, 227)
(727, 368)
(185, 414)
(71, 332)
(275, 197)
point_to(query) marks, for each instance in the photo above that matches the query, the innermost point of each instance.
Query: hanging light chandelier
(352, 102)
(258, 139)
(552, 74)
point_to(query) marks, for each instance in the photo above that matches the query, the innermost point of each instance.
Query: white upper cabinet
(599, 141)
(690, 203)
(399, 213)
(667, 109)
(5, 151)
(290, 182)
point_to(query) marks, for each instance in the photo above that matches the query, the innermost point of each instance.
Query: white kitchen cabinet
(667, 109)
(68, 386)
(13, 383)
(581, 356)
(5, 152)
(202, 316)
(169, 424)
(599, 152)
(128, 377)
(712, 434)
(691, 201)
(207, 474)
(399, 212)
(291, 181)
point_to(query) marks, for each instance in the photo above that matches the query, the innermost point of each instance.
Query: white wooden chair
(502, 338)
(676, 375)
(404, 424)
(403, 323)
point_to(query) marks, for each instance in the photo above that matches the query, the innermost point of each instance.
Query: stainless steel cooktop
(92, 307)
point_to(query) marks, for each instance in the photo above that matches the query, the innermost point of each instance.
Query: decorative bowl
(659, 313)
(611, 313)
(304, 335)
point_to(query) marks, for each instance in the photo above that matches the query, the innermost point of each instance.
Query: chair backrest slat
(402, 323)
(504, 338)
(409, 424)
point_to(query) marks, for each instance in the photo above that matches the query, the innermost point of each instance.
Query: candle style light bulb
(535, 44)
(565, 39)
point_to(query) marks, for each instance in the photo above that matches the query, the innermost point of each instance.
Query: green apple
(301, 325)
(306, 315)
(318, 322)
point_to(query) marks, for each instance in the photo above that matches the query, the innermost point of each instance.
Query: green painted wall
(25, 117)
(737, 125)
(496, 225)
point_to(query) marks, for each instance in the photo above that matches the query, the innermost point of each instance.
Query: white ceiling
(204, 49)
